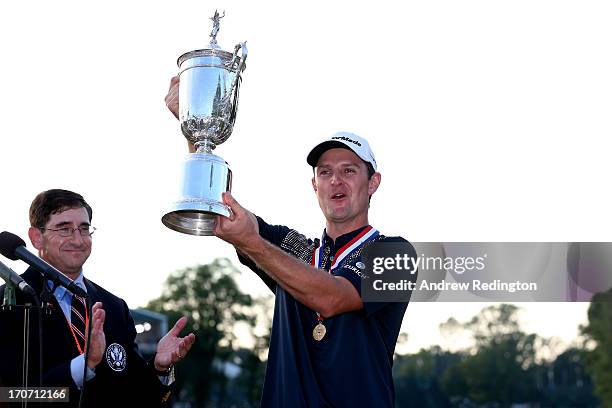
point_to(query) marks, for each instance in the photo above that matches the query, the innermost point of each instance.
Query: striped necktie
(78, 317)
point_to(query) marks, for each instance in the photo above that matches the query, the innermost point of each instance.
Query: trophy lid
(213, 50)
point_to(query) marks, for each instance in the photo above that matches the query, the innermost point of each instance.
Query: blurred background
(488, 360)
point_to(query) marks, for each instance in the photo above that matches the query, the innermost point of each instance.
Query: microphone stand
(25, 361)
(26, 323)
(46, 296)
(9, 303)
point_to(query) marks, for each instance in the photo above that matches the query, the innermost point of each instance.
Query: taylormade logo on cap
(351, 141)
(346, 139)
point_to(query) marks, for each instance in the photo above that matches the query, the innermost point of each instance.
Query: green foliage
(493, 324)
(568, 385)
(500, 369)
(500, 366)
(417, 377)
(209, 296)
(599, 331)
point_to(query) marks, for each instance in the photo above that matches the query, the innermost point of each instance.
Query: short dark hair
(55, 201)
(371, 170)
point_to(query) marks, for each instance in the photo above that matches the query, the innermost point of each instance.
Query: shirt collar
(342, 239)
(60, 292)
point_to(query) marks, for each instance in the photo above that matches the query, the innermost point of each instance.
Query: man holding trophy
(328, 346)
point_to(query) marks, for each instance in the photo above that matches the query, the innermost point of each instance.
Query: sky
(490, 121)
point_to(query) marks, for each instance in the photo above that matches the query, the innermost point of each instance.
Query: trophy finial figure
(213, 34)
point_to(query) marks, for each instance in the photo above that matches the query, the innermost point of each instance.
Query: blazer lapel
(92, 292)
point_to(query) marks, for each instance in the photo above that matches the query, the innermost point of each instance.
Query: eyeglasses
(84, 230)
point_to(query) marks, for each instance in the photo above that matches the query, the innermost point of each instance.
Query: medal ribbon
(369, 233)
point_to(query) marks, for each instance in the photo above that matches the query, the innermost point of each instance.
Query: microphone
(10, 276)
(14, 248)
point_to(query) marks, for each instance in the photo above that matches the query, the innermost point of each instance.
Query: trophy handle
(243, 51)
(236, 85)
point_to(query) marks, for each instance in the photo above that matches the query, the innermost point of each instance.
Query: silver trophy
(208, 100)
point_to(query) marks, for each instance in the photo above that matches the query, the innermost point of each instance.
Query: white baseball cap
(343, 140)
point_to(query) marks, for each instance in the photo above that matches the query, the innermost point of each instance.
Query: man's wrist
(161, 370)
(91, 365)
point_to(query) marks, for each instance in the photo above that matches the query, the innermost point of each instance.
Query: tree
(599, 332)
(253, 360)
(565, 381)
(500, 366)
(209, 296)
(417, 377)
(499, 369)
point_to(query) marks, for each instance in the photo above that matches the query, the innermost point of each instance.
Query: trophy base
(195, 217)
(206, 177)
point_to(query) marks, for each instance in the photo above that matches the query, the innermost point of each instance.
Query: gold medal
(319, 332)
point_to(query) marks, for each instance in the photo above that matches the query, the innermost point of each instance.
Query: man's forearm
(313, 287)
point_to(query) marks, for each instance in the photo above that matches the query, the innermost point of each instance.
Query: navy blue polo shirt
(351, 366)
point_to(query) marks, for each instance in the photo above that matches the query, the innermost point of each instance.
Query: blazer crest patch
(116, 357)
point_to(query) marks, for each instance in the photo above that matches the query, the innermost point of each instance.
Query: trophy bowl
(208, 94)
(208, 100)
